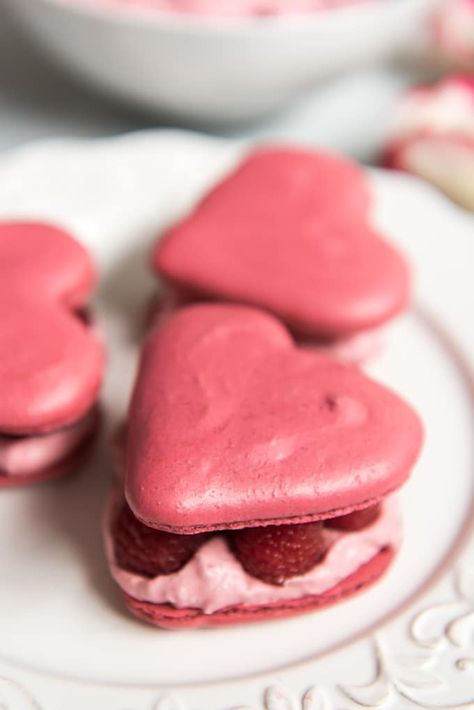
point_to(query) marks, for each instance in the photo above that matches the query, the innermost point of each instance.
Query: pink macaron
(51, 360)
(290, 231)
(258, 474)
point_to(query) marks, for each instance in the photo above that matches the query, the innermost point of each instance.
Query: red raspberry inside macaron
(151, 552)
(272, 554)
(278, 552)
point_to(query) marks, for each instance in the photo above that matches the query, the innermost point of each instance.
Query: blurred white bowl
(215, 70)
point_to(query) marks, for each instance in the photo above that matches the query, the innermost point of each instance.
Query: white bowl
(216, 70)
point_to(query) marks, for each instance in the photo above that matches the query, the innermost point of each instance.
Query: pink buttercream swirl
(214, 579)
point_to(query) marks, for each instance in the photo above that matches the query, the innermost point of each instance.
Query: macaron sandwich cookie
(289, 231)
(258, 474)
(51, 360)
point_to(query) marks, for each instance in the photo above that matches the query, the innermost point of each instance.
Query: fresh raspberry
(151, 552)
(277, 552)
(357, 520)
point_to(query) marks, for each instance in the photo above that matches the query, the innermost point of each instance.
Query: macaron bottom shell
(168, 617)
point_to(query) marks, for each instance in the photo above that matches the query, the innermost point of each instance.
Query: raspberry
(151, 552)
(357, 520)
(277, 552)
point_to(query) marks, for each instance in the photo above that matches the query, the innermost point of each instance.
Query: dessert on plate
(290, 231)
(51, 360)
(432, 136)
(258, 475)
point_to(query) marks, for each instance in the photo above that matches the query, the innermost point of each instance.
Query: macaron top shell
(289, 231)
(45, 261)
(50, 361)
(231, 425)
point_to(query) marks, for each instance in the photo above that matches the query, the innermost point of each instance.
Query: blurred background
(332, 75)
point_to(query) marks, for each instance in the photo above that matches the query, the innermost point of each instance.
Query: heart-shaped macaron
(50, 361)
(231, 425)
(290, 231)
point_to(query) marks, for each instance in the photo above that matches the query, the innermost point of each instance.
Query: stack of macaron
(258, 474)
(51, 360)
(290, 231)
(432, 136)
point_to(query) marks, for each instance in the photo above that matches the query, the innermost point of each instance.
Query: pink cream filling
(355, 349)
(27, 455)
(214, 579)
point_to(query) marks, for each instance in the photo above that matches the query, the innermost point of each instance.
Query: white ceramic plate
(65, 639)
(214, 70)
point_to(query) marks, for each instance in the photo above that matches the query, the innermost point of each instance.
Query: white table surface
(38, 100)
